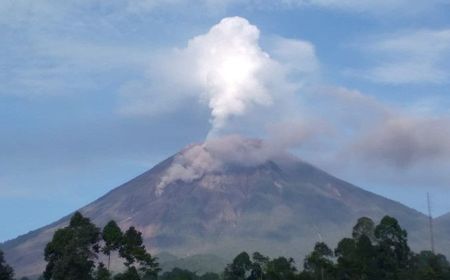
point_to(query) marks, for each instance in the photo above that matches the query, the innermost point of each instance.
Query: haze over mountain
(95, 90)
(228, 195)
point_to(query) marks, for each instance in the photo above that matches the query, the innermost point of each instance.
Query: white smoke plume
(226, 69)
(213, 155)
(229, 65)
(243, 84)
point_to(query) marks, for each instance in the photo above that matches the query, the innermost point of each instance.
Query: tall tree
(364, 226)
(347, 262)
(102, 273)
(280, 268)
(393, 253)
(72, 252)
(6, 272)
(430, 266)
(259, 266)
(130, 274)
(240, 268)
(179, 274)
(136, 256)
(209, 276)
(319, 262)
(365, 258)
(112, 236)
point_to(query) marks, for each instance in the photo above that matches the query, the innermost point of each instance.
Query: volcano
(229, 195)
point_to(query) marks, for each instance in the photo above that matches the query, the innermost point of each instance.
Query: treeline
(74, 253)
(373, 252)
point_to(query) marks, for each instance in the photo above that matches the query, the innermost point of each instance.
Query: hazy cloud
(67, 61)
(299, 56)
(404, 141)
(375, 7)
(227, 70)
(348, 125)
(414, 57)
(217, 154)
(44, 12)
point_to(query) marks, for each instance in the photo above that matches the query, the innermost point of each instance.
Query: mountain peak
(227, 195)
(216, 156)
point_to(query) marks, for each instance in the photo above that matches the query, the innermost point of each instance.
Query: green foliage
(209, 276)
(239, 269)
(133, 251)
(132, 248)
(71, 253)
(280, 268)
(102, 273)
(184, 274)
(382, 252)
(319, 262)
(373, 252)
(428, 265)
(6, 272)
(393, 253)
(179, 274)
(260, 267)
(130, 274)
(355, 258)
(364, 226)
(112, 236)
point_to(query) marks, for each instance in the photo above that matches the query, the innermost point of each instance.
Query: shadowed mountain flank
(226, 196)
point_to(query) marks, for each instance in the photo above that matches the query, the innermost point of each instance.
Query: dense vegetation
(73, 252)
(373, 252)
(6, 272)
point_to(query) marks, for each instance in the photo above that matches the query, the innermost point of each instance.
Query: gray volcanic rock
(227, 196)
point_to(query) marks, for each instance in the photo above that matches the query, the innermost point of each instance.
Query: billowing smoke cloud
(214, 155)
(404, 141)
(229, 65)
(277, 93)
(358, 129)
(188, 166)
(227, 69)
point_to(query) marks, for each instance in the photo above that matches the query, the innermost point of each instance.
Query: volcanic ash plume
(229, 65)
(212, 156)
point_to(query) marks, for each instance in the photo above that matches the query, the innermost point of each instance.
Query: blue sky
(95, 92)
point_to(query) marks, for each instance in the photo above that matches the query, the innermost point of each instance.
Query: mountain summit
(229, 195)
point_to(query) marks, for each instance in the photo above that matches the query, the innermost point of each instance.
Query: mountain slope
(227, 196)
(441, 234)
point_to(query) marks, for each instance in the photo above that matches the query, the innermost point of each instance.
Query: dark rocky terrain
(226, 197)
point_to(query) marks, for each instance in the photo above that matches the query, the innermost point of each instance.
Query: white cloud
(228, 70)
(52, 67)
(416, 57)
(392, 8)
(42, 12)
(299, 56)
(228, 65)
(358, 136)
(212, 6)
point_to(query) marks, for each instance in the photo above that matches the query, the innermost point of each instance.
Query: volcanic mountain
(229, 195)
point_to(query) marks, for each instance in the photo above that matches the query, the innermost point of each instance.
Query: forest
(82, 251)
